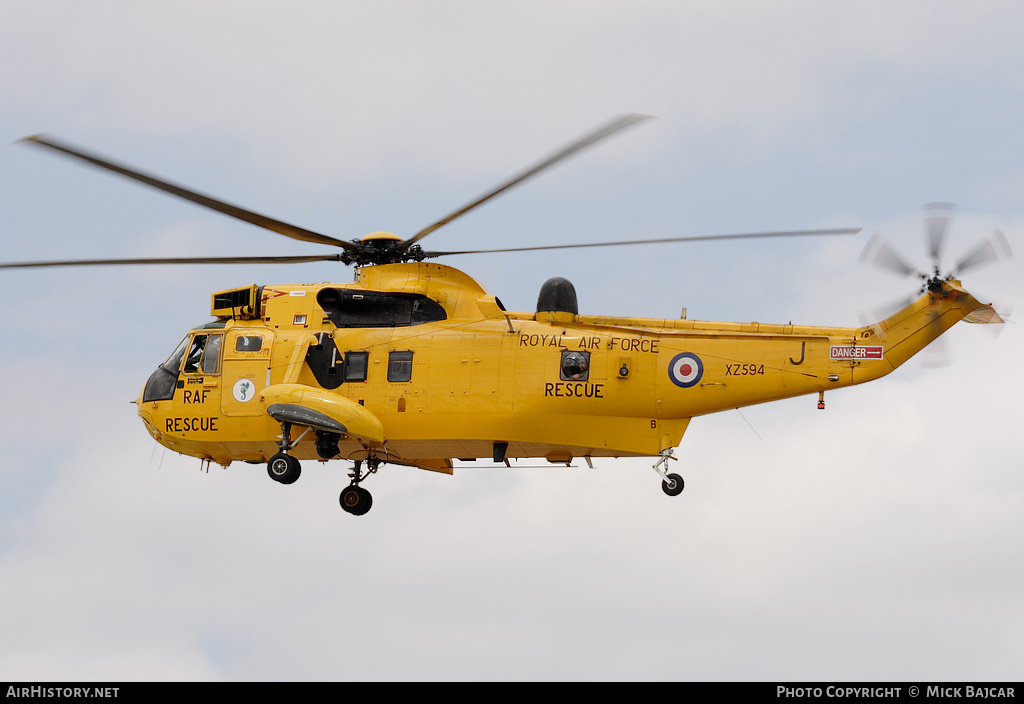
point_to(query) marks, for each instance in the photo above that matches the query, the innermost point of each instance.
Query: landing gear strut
(671, 484)
(282, 467)
(355, 499)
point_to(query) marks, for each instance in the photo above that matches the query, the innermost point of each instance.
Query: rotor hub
(381, 236)
(382, 248)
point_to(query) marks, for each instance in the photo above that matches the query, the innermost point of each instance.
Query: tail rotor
(937, 224)
(938, 218)
(992, 249)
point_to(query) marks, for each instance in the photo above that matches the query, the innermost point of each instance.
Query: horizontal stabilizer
(985, 314)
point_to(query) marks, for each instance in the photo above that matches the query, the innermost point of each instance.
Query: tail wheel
(673, 485)
(284, 468)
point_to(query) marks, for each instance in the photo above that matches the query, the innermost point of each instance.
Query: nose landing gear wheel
(283, 468)
(356, 500)
(673, 485)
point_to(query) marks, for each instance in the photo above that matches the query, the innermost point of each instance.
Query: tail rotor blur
(937, 225)
(988, 251)
(882, 255)
(936, 229)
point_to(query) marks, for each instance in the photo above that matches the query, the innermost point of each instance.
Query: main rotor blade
(608, 130)
(281, 228)
(701, 238)
(298, 259)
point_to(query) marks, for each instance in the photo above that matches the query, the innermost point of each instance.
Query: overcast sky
(877, 540)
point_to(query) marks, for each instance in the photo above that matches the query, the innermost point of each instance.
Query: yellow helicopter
(415, 364)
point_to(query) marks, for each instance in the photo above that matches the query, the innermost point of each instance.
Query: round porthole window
(575, 366)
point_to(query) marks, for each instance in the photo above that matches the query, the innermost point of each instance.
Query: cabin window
(400, 366)
(575, 366)
(353, 308)
(248, 343)
(355, 366)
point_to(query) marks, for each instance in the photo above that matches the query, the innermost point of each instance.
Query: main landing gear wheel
(356, 500)
(283, 468)
(673, 485)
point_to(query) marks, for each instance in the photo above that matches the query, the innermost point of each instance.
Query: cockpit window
(195, 353)
(203, 355)
(173, 363)
(211, 355)
(161, 384)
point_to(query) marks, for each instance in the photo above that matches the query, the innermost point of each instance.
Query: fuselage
(424, 350)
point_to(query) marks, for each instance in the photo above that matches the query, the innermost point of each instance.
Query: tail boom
(908, 331)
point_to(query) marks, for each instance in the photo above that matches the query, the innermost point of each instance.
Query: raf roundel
(685, 369)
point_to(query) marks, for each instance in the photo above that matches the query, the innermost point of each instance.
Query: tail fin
(908, 331)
